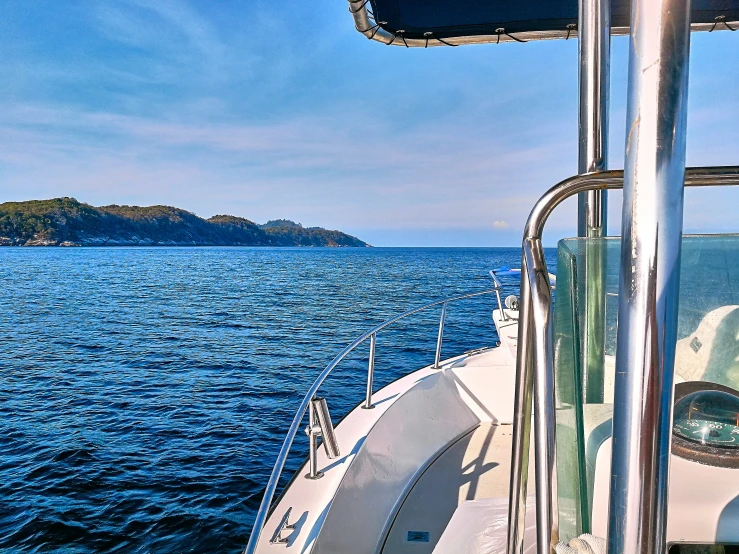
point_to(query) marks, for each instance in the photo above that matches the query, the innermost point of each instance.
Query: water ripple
(146, 392)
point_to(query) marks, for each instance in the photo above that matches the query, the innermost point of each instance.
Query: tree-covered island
(67, 222)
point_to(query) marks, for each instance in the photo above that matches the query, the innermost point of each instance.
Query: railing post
(498, 286)
(440, 339)
(503, 315)
(594, 45)
(370, 373)
(540, 296)
(521, 420)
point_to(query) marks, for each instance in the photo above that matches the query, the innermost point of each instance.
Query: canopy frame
(381, 31)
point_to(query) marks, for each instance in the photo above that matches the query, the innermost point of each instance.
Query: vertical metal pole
(370, 373)
(594, 31)
(547, 528)
(594, 71)
(503, 315)
(650, 269)
(498, 287)
(440, 338)
(521, 421)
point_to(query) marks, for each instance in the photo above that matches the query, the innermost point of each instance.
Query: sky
(268, 110)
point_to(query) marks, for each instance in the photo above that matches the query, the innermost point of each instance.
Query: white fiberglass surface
(444, 442)
(703, 502)
(477, 466)
(411, 432)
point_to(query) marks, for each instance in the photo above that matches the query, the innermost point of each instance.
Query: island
(68, 222)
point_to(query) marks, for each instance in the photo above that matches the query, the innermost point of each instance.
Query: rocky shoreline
(66, 222)
(107, 241)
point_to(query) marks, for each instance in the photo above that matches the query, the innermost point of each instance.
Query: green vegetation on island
(67, 222)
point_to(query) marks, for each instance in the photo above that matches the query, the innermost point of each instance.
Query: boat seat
(711, 353)
(481, 527)
(475, 466)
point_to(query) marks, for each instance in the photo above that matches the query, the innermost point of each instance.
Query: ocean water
(145, 392)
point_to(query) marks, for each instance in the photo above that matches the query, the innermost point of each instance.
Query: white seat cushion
(481, 526)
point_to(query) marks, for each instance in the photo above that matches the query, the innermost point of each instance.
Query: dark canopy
(465, 18)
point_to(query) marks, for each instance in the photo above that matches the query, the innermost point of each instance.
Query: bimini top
(453, 22)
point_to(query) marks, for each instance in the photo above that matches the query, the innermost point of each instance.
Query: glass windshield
(585, 348)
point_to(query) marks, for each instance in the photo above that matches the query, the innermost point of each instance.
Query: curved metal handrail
(535, 353)
(269, 492)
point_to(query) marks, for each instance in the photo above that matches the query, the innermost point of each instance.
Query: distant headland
(67, 222)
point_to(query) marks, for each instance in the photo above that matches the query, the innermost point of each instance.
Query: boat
(607, 417)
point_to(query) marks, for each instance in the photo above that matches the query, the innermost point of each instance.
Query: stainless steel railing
(498, 288)
(534, 362)
(269, 492)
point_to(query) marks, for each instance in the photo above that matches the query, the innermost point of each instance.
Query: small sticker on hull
(418, 536)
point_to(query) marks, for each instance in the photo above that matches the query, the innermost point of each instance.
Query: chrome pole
(521, 422)
(503, 315)
(594, 48)
(652, 222)
(594, 72)
(440, 338)
(370, 373)
(547, 529)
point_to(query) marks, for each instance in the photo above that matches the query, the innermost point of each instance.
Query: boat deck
(435, 439)
(477, 466)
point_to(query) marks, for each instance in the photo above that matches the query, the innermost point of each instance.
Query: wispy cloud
(329, 169)
(170, 28)
(416, 175)
(268, 110)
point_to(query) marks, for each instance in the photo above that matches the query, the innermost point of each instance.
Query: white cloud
(333, 169)
(222, 107)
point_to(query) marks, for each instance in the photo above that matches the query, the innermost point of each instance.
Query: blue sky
(268, 109)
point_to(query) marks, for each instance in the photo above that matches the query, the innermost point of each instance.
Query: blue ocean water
(145, 392)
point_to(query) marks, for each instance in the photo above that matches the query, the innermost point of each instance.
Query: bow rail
(264, 507)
